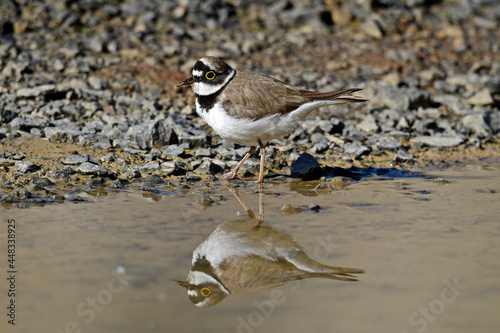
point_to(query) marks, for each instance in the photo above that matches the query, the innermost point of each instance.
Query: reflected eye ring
(210, 75)
(205, 292)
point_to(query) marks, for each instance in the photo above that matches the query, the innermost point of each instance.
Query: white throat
(203, 89)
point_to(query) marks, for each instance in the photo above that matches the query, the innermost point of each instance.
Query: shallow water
(430, 246)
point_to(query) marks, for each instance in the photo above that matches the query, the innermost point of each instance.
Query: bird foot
(228, 176)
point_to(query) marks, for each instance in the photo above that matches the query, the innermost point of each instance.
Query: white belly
(246, 131)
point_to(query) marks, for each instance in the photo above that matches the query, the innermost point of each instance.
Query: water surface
(430, 246)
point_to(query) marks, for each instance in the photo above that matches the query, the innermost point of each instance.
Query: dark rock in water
(306, 168)
(25, 166)
(88, 168)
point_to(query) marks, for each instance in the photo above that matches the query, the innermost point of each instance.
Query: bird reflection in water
(247, 255)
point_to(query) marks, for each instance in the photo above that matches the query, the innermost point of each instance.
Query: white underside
(247, 132)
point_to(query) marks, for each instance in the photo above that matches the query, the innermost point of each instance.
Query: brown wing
(252, 273)
(255, 96)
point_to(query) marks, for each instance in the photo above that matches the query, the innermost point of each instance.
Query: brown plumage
(248, 96)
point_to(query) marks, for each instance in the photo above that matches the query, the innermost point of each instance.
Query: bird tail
(340, 96)
(342, 273)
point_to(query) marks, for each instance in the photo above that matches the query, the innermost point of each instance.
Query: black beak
(185, 284)
(187, 82)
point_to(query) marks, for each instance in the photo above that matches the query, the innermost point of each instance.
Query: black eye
(210, 75)
(205, 291)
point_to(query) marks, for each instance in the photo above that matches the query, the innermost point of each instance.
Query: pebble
(88, 168)
(306, 167)
(79, 159)
(388, 143)
(35, 91)
(437, 141)
(356, 149)
(25, 166)
(172, 150)
(482, 97)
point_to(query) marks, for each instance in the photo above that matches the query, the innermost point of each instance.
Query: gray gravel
(102, 75)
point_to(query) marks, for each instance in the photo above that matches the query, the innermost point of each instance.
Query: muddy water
(430, 246)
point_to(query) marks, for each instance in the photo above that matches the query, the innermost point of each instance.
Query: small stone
(172, 150)
(150, 167)
(35, 91)
(6, 162)
(477, 124)
(204, 152)
(306, 167)
(402, 99)
(368, 124)
(453, 103)
(96, 83)
(57, 175)
(25, 166)
(62, 133)
(106, 159)
(403, 157)
(154, 180)
(482, 97)
(356, 149)
(79, 159)
(438, 141)
(176, 168)
(150, 133)
(42, 181)
(129, 172)
(288, 209)
(208, 167)
(190, 178)
(388, 143)
(88, 168)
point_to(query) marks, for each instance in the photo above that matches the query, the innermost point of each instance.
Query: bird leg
(262, 161)
(232, 174)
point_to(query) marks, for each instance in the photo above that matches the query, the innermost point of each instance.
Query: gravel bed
(88, 102)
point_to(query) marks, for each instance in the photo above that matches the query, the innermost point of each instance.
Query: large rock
(306, 168)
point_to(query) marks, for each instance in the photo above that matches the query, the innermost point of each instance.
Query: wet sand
(429, 245)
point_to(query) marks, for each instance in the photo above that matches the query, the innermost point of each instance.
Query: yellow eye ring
(210, 75)
(205, 292)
